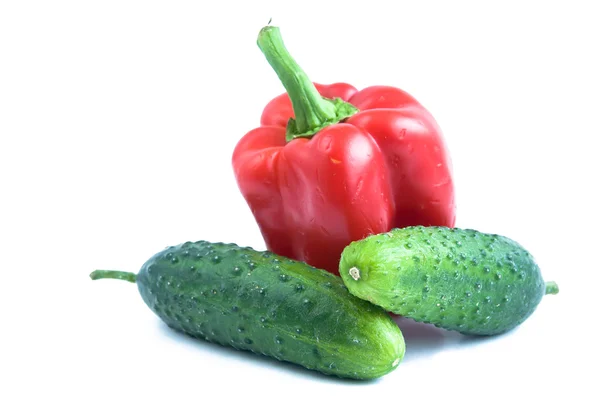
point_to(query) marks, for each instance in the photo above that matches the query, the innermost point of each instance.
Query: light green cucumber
(457, 279)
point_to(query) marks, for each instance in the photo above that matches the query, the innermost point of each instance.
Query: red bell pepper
(331, 164)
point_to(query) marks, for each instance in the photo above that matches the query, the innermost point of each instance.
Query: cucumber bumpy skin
(457, 279)
(270, 305)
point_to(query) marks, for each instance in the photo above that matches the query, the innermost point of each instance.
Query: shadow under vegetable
(421, 340)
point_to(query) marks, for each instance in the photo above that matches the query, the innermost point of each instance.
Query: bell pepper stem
(312, 112)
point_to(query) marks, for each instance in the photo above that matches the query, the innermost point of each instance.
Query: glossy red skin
(386, 166)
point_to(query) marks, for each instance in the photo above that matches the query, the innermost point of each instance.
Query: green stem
(107, 274)
(312, 112)
(551, 288)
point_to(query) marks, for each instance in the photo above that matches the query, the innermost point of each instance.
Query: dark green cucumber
(457, 279)
(270, 305)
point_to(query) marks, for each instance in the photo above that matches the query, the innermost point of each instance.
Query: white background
(117, 124)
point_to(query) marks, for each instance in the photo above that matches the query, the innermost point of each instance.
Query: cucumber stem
(107, 274)
(551, 288)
